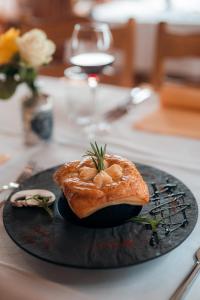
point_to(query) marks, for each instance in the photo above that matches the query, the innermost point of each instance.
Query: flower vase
(37, 116)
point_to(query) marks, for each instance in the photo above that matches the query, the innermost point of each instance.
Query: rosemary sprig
(97, 155)
(43, 202)
(147, 221)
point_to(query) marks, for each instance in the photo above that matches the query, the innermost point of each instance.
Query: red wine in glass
(92, 62)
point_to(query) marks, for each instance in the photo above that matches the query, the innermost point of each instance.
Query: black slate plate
(62, 242)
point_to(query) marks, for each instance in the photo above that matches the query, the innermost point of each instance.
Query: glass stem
(93, 84)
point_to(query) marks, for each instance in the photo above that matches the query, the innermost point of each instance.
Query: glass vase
(37, 116)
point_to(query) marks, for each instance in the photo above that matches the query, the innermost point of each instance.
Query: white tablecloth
(153, 280)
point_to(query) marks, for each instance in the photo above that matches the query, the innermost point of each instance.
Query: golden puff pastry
(88, 190)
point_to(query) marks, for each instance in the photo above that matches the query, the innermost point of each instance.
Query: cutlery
(136, 96)
(10, 185)
(184, 286)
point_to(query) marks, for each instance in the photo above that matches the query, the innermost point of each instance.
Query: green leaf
(25, 74)
(28, 75)
(147, 221)
(7, 88)
(43, 202)
(9, 70)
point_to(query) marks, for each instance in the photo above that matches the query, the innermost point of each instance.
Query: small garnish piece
(97, 155)
(147, 221)
(115, 171)
(44, 203)
(34, 198)
(102, 178)
(87, 173)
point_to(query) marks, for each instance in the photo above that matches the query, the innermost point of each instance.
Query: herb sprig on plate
(43, 202)
(97, 155)
(154, 223)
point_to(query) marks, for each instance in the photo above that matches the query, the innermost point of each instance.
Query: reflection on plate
(63, 241)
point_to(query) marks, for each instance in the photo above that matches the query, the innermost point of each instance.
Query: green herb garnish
(97, 155)
(147, 221)
(43, 202)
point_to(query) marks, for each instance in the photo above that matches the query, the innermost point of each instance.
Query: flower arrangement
(20, 58)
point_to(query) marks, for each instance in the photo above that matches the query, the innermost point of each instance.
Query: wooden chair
(49, 9)
(61, 31)
(172, 45)
(5, 25)
(123, 44)
(1, 26)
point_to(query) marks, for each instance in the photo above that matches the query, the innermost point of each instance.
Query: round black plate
(63, 242)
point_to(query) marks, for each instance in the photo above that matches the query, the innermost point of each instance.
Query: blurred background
(137, 26)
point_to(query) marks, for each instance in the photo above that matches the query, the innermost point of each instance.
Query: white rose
(35, 49)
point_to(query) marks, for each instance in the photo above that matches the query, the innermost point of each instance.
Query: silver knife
(136, 96)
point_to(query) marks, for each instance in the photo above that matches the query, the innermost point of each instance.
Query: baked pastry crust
(85, 197)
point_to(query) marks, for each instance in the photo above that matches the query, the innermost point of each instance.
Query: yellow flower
(8, 45)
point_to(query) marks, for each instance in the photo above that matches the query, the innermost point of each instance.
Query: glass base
(75, 73)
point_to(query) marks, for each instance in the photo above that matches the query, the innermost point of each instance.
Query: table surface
(155, 279)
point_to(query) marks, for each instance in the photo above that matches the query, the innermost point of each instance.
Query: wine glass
(90, 54)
